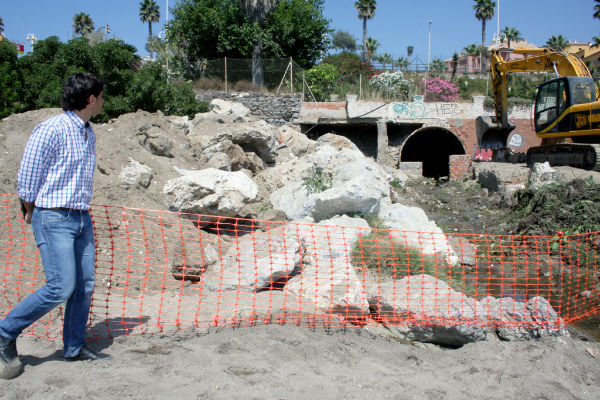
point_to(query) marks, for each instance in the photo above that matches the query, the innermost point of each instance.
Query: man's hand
(26, 211)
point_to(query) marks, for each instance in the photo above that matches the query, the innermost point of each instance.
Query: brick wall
(460, 166)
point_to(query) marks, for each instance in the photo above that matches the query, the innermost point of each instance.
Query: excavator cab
(558, 95)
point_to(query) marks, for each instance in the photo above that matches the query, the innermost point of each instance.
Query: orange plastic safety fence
(158, 270)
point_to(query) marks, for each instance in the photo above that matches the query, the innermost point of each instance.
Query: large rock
(261, 140)
(155, 140)
(296, 141)
(237, 157)
(136, 174)
(328, 278)
(519, 320)
(211, 191)
(425, 309)
(410, 227)
(542, 174)
(261, 261)
(333, 287)
(330, 183)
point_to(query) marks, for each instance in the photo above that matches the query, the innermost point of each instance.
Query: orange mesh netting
(158, 270)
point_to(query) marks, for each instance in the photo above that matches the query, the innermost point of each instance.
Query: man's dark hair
(78, 89)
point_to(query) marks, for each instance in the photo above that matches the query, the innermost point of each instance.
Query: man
(55, 187)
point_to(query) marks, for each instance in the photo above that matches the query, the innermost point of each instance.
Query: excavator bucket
(492, 135)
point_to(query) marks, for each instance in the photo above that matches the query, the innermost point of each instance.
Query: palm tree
(472, 50)
(83, 24)
(257, 11)
(372, 45)
(597, 9)
(385, 58)
(402, 63)
(409, 51)
(437, 65)
(511, 34)
(366, 10)
(455, 60)
(484, 10)
(596, 40)
(149, 12)
(558, 43)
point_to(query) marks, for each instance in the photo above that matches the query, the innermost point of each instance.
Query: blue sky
(396, 25)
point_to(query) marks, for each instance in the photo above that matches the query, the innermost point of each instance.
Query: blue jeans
(66, 243)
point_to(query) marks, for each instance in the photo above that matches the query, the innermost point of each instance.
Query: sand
(290, 362)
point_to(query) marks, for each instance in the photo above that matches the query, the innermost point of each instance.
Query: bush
(392, 85)
(322, 80)
(439, 89)
(45, 70)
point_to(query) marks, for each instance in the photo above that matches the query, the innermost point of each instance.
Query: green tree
(455, 61)
(344, 41)
(297, 28)
(257, 11)
(597, 9)
(83, 24)
(366, 11)
(1, 26)
(322, 79)
(207, 29)
(372, 46)
(149, 12)
(484, 10)
(558, 43)
(472, 50)
(511, 35)
(409, 51)
(10, 80)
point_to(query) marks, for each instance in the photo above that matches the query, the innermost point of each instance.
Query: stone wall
(273, 108)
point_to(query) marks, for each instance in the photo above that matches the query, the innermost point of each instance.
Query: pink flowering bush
(440, 90)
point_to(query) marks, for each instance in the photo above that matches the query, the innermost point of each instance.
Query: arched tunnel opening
(432, 147)
(363, 135)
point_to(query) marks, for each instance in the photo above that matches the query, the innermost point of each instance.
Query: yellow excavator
(566, 113)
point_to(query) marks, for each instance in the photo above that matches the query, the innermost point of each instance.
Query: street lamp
(428, 59)
(429, 48)
(31, 39)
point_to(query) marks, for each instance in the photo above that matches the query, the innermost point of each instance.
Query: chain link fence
(281, 75)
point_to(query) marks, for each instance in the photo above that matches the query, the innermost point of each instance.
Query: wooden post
(226, 74)
(291, 76)
(360, 86)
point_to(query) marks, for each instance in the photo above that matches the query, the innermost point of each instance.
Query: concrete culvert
(432, 146)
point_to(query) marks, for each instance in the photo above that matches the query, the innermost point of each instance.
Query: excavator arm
(537, 60)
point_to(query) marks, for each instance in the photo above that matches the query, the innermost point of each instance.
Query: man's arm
(34, 166)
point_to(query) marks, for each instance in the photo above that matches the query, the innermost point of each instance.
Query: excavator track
(578, 155)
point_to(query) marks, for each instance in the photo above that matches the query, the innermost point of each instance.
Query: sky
(396, 25)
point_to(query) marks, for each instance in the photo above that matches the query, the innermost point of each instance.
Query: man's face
(96, 103)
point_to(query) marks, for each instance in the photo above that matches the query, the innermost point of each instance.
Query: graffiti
(414, 109)
(418, 109)
(516, 140)
(447, 109)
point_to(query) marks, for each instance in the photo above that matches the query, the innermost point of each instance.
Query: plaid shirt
(57, 169)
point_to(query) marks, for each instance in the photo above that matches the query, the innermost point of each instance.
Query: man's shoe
(86, 354)
(10, 358)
